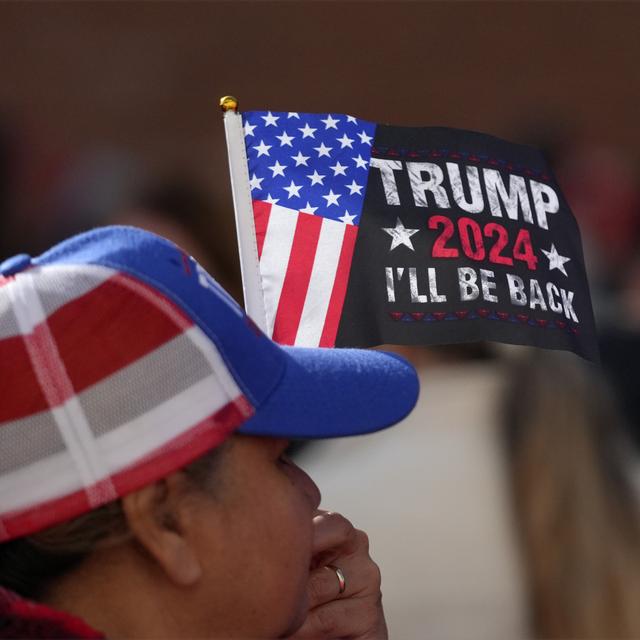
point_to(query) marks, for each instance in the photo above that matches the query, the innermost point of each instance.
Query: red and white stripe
(304, 267)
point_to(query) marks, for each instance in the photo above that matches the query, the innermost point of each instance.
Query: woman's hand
(356, 613)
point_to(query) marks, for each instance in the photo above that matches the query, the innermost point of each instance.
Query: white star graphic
(364, 138)
(400, 235)
(309, 209)
(285, 139)
(361, 163)
(271, 200)
(316, 178)
(278, 169)
(345, 141)
(331, 198)
(347, 218)
(556, 261)
(352, 119)
(323, 150)
(262, 148)
(307, 131)
(330, 123)
(300, 159)
(270, 120)
(255, 182)
(354, 188)
(248, 128)
(293, 190)
(293, 114)
(338, 169)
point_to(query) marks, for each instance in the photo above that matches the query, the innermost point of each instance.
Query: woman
(144, 486)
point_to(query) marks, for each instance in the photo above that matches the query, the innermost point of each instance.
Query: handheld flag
(357, 234)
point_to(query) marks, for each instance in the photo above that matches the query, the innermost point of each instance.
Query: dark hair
(32, 564)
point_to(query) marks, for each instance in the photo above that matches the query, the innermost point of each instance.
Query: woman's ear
(159, 517)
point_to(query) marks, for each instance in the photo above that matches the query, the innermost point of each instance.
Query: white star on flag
(556, 261)
(361, 163)
(307, 131)
(338, 169)
(248, 128)
(300, 159)
(278, 169)
(285, 139)
(354, 188)
(271, 200)
(345, 141)
(293, 114)
(262, 148)
(331, 198)
(364, 138)
(270, 120)
(309, 209)
(352, 119)
(323, 150)
(347, 218)
(400, 235)
(330, 123)
(255, 182)
(293, 189)
(316, 178)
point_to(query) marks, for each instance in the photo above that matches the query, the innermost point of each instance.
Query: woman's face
(255, 538)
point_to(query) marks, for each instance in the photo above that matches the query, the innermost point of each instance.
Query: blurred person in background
(572, 470)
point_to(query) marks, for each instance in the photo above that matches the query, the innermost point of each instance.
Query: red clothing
(21, 619)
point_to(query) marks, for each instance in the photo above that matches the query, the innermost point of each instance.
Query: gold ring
(342, 583)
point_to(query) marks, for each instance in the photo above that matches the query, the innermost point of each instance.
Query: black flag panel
(465, 237)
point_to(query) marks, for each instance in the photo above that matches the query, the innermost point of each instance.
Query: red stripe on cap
(182, 450)
(25, 396)
(296, 280)
(261, 213)
(111, 327)
(339, 291)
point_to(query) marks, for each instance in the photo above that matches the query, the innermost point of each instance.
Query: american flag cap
(122, 360)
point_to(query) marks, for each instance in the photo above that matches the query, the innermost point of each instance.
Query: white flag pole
(245, 228)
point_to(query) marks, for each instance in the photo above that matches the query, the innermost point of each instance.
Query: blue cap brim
(326, 393)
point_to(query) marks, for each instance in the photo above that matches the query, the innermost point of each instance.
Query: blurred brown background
(486, 526)
(144, 78)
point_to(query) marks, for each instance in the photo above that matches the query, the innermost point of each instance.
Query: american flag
(307, 175)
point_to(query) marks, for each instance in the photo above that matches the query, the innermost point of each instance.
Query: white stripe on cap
(136, 439)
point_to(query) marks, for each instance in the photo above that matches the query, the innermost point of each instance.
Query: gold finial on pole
(229, 103)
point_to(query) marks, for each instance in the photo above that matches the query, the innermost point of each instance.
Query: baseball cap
(122, 360)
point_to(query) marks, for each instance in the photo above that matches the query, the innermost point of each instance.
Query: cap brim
(326, 393)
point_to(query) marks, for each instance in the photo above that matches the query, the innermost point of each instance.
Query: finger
(324, 586)
(361, 576)
(353, 618)
(332, 531)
